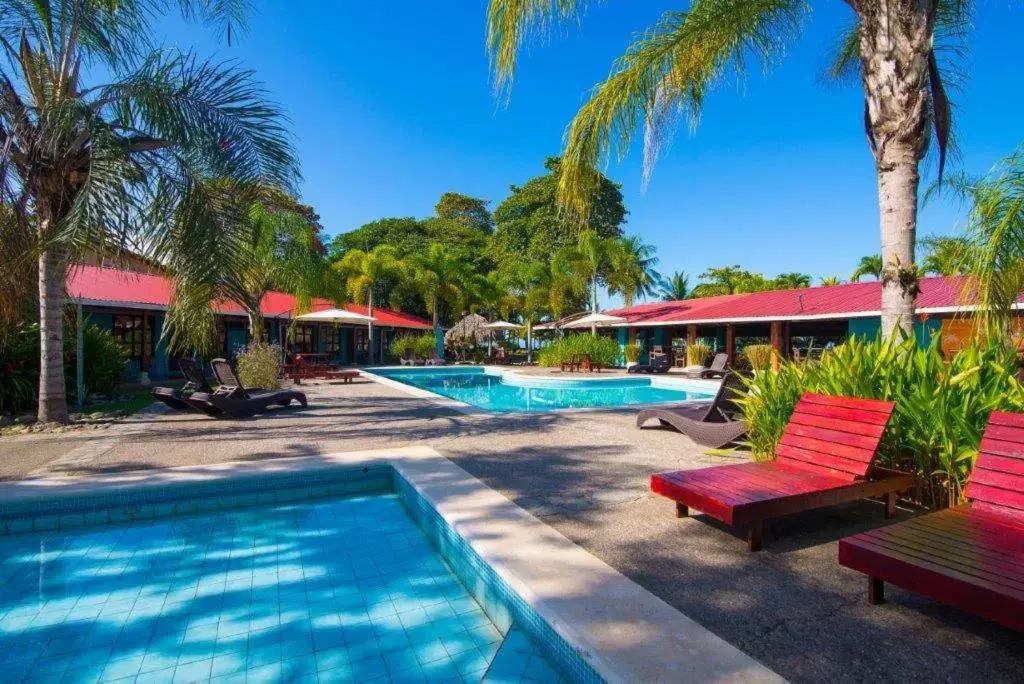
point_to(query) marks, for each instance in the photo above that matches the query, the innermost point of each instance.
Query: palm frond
(673, 64)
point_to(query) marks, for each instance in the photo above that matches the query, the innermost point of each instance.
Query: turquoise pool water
(335, 589)
(496, 392)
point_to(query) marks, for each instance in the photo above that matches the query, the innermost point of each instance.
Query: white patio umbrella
(335, 316)
(502, 325)
(595, 320)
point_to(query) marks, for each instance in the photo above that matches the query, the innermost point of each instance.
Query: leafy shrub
(19, 368)
(602, 351)
(759, 355)
(105, 361)
(424, 345)
(259, 365)
(400, 346)
(697, 354)
(941, 406)
(632, 352)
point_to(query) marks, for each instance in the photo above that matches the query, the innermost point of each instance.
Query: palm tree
(106, 164)
(364, 272)
(669, 69)
(871, 265)
(674, 287)
(947, 256)
(632, 271)
(791, 281)
(590, 260)
(831, 281)
(270, 247)
(439, 275)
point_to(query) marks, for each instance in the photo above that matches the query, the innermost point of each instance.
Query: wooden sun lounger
(198, 400)
(971, 556)
(712, 424)
(235, 400)
(824, 458)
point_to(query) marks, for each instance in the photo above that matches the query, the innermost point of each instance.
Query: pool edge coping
(629, 634)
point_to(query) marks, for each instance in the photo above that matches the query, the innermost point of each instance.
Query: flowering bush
(259, 365)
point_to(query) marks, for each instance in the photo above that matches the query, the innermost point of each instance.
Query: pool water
(505, 393)
(322, 590)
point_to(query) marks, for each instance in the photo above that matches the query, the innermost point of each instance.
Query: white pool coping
(709, 386)
(622, 630)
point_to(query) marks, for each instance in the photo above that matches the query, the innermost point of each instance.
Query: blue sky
(391, 104)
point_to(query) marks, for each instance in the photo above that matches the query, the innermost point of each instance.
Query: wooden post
(80, 358)
(145, 335)
(691, 334)
(776, 338)
(730, 341)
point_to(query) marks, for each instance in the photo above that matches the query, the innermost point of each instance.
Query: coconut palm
(871, 265)
(590, 261)
(632, 271)
(440, 276)
(271, 247)
(791, 281)
(831, 281)
(947, 256)
(674, 287)
(364, 272)
(104, 164)
(669, 69)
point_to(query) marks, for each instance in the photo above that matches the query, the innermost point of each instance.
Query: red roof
(115, 287)
(851, 300)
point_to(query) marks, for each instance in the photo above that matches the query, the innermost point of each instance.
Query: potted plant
(632, 352)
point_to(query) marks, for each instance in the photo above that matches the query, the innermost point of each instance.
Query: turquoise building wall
(870, 327)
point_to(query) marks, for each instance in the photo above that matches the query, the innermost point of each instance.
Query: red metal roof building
(132, 305)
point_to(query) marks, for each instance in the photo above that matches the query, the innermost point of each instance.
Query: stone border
(622, 630)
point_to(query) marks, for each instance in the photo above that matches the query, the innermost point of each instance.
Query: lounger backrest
(225, 374)
(719, 362)
(997, 481)
(835, 436)
(193, 373)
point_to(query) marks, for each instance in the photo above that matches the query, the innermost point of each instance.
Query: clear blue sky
(391, 105)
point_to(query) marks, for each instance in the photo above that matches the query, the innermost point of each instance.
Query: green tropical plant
(19, 367)
(831, 281)
(364, 271)
(674, 287)
(107, 165)
(947, 256)
(424, 345)
(632, 271)
(602, 351)
(590, 261)
(896, 48)
(402, 345)
(870, 265)
(759, 356)
(259, 365)
(791, 281)
(698, 353)
(941, 406)
(440, 276)
(633, 351)
(265, 245)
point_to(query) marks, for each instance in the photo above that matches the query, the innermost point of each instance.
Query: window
(332, 344)
(304, 339)
(131, 333)
(361, 338)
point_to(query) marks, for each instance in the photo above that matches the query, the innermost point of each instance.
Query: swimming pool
(499, 391)
(327, 581)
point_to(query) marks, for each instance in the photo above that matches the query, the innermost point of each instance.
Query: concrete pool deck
(790, 607)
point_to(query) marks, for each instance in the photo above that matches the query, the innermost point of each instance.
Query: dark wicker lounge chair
(235, 400)
(824, 458)
(718, 368)
(660, 364)
(970, 556)
(714, 425)
(194, 382)
(198, 399)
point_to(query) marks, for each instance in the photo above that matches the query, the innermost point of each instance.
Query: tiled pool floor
(326, 590)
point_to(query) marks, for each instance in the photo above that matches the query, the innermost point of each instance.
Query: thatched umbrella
(469, 328)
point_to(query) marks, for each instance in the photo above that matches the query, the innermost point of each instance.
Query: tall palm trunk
(438, 348)
(257, 329)
(369, 326)
(53, 405)
(593, 300)
(895, 44)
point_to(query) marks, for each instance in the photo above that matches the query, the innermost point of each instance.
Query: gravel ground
(791, 606)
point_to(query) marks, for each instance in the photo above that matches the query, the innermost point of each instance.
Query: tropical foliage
(259, 365)
(667, 72)
(947, 255)
(105, 165)
(602, 351)
(365, 272)
(870, 265)
(725, 280)
(941, 406)
(673, 287)
(417, 346)
(759, 356)
(698, 353)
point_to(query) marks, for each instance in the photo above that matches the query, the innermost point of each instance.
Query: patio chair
(194, 382)
(235, 400)
(824, 458)
(713, 424)
(658, 364)
(970, 556)
(198, 400)
(718, 368)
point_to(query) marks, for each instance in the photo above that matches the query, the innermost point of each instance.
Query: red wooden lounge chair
(824, 458)
(970, 556)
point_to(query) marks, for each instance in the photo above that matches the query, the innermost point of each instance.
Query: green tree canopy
(470, 212)
(725, 280)
(530, 227)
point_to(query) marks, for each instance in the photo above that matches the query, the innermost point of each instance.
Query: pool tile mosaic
(321, 590)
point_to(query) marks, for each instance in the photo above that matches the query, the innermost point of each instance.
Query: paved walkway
(791, 606)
